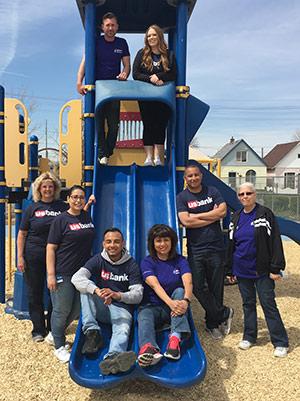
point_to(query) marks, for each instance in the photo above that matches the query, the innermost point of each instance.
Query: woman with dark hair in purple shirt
(167, 294)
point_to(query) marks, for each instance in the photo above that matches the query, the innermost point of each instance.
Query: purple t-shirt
(244, 256)
(74, 236)
(168, 273)
(109, 56)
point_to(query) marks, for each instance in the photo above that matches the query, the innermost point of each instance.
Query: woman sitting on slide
(167, 294)
(156, 65)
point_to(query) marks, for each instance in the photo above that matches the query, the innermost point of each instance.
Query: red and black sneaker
(149, 355)
(173, 348)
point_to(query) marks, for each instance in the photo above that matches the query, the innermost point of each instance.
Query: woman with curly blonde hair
(154, 64)
(31, 243)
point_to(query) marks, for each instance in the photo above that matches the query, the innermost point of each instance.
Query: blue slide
(134, 198)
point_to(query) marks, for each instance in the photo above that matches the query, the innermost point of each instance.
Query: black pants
(35, 277)
(208, 284)
(110, 112)
(155, 116)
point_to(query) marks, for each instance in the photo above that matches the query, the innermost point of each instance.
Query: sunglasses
(245, 193)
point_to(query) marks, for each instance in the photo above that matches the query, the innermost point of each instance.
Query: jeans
(208, 285)
(93, 311)
(110, 112)
(264, 286)
(152, 316)
(35, 278)
(66, 308)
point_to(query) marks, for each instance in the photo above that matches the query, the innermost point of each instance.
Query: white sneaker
(215, 333)
(49, 338)
(148, 162)
(245, 344)
(157, 162)
(62, 354)
(103, 160)
(280, 352)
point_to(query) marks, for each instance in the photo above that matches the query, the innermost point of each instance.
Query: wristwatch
(187, 300)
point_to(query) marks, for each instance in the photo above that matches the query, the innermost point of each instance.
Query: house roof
(278, 153)
(232, 144)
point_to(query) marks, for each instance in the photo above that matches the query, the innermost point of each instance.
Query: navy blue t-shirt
(37, 220)
(244, 256)
(203, 238)
(116, 277)
(169, 274)
(74, 236)
(109, 56)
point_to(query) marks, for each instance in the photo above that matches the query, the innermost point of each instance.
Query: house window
(298, 155)
(251, 176)
(289, 180)
(241, 156)
(232, 179)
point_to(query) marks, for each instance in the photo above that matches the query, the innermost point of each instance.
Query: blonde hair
(38, 182)
(162, 47)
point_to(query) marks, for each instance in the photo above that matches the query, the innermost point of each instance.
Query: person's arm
(126, 69)
(22, 234)
(90, 201)
(82, 283)
(218, 213)
(177, 307)
(197, 220)
(187, 285)
(136, 70)
(50, 262)
(80, 76)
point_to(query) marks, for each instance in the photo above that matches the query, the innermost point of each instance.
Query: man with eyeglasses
(200, 209)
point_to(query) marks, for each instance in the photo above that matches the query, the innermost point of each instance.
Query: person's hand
(92, 199)
(51, 283)
(21, 265)
(154, 78)
(81, 89)
(159, 82)
(275, 277)
(122, 76)
(231, 279)
(178, 307)
(108, 295)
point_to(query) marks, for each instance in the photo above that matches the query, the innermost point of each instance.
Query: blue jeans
(66, 308)
(110, 112)
(208, 284)
(264, 287)
(93, 311)
(152, 316)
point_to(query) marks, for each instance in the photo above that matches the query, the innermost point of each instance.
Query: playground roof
(134, 16)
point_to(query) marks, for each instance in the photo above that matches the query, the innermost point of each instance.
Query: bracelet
(187, 300)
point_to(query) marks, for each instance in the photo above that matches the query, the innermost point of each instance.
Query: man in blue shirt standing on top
(110, 52)
(200, 209)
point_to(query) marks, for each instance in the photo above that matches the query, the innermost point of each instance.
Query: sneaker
(157, 162)
(49, 339)
(119, 362)
(62, 354)
(148, 162)
(37, 338)
(103, 160)
(93, 342)
(173, 348)
(280, 352)
(215, 333)
(245, 344)
(226, 326)
(149, 355)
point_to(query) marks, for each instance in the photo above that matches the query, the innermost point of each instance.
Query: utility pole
(46, 138)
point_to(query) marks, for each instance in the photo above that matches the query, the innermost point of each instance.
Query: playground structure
(133, 197)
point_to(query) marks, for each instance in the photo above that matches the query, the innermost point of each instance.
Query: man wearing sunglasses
(200, 209)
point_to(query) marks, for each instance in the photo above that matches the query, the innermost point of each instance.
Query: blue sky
(243, 60)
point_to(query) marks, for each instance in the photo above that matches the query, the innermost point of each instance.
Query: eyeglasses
(77, 197)
(245, 193)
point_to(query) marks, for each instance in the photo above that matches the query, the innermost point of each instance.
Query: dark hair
(74, 187)
(192, 164)
(109, 15)
(162, 231)
(113, 230)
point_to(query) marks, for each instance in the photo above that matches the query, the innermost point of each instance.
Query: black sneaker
(173, 348)
(93, 342)
(116, 363)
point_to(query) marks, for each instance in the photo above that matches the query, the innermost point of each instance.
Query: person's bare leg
(159, 155)
(149, 155)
